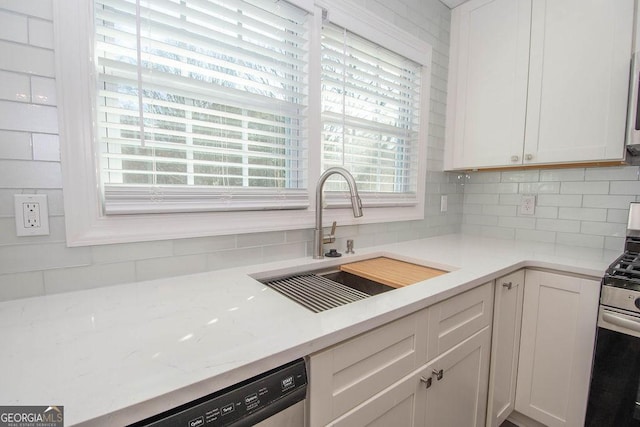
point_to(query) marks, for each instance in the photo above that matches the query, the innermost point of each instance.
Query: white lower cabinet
(375, 379)
(505, 347)
(556, 348)
(450, 391)
(459, 397)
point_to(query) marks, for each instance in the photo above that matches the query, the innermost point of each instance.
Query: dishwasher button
(227, 409)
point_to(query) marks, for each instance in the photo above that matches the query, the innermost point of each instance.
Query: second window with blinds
(214, 107)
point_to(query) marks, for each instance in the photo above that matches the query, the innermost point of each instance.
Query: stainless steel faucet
(356, 205)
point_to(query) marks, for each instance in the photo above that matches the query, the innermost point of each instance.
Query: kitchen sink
(362, 284)
(324, 289)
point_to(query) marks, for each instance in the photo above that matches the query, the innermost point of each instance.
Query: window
(205, 117)
(370, 116)
(201, 100)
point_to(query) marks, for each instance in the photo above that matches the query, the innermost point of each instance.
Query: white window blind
(200, 105)
(370, 117)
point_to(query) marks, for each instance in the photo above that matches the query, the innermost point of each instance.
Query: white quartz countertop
(115, 355)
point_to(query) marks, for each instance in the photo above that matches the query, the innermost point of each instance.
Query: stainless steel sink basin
(321, 290)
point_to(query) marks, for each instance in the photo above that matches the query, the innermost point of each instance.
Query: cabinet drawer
(346, 375)
(456, 319)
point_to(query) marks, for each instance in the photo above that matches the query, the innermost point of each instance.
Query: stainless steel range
(614, 394)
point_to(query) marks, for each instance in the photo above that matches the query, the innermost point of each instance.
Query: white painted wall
(30, 163)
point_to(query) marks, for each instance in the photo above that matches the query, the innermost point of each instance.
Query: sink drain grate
(315, 292)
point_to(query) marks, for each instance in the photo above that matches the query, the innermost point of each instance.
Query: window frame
(75, 79)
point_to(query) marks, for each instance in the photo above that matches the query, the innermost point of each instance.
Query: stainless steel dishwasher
(273, 399)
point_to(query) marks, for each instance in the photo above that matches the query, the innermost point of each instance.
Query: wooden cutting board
(391, 272)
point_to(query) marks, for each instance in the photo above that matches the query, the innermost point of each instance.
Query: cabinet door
(401, 405)
(505, 347)
(488, 83)
(455, 319)
(459, 398)
(556, 347)
(344, 376)
(578, 80)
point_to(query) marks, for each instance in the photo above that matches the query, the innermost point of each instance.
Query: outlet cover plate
(32, 214)
(528, 204)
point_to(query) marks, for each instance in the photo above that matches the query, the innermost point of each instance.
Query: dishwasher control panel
(243, 404)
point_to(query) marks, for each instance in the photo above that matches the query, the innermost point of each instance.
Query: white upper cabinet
(538, 82)
(487, 96)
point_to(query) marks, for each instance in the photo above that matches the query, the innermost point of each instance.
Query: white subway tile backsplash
(501, 188)
(21, 285)
(33, 257)
(472, 188)
(610, 202)
(46, 147)
(621, 216)
(26, 59)
(295, 250)
(14, 87)
(260, 239)
(623, 173)
(584, 207)
(583, 214)
(559, 200)
(546, 212)
(13, 27)
(483, 199)
(201, 245)
(604, 228)
(19, 116)
(15, 145)
(41, 33)
(536, 235)
(510, 199)
(234, 258)
(625, 187)
(40, 8)
(54, 200)
(539, 187)
(483, 177)
(21, 174)
(577, 239)
(481, 219)
(521, 176)
(156, 268)
(92, 276)
(109, 254)
(614, 243)
(517, 222)
(562, 175)
(563, 225)
(497, 232)
(581, 187)
(501, 210)
(43, 91)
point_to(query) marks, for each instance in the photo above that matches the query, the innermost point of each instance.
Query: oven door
(614, 392)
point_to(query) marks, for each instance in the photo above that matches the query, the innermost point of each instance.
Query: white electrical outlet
(443, 203)
(528, 204)
(32, 214)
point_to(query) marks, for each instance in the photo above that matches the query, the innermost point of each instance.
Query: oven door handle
(623, 322)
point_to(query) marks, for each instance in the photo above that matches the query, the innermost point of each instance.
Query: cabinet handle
(515, 158)
(426, 381)
(507, 285)
(528, 157)
(439, 374)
